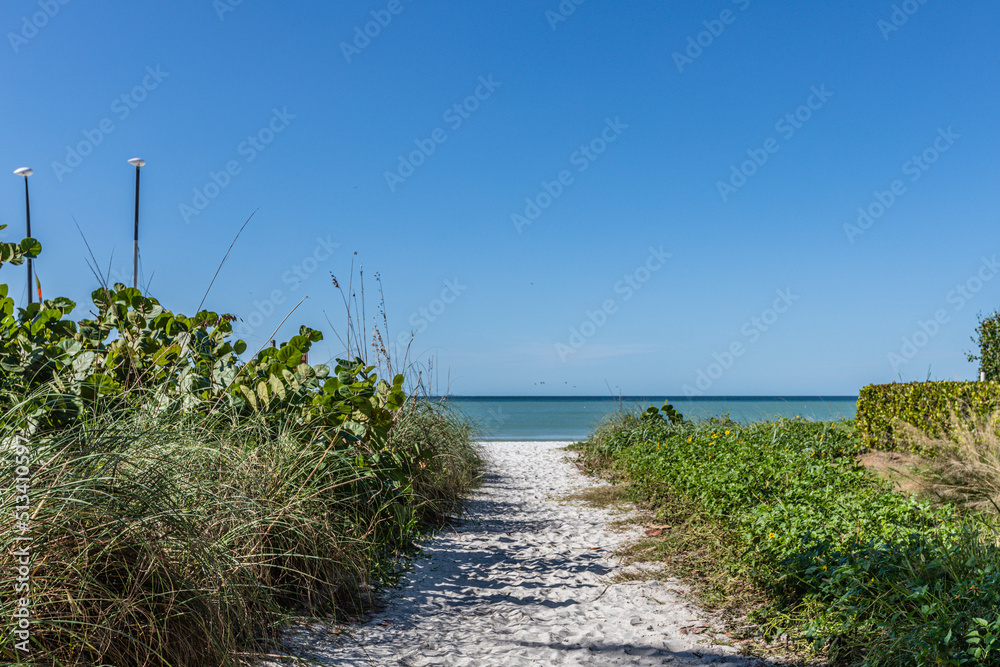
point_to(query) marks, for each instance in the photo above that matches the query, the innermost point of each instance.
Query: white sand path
(521, 583)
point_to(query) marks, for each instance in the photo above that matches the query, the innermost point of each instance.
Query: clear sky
(730, 197)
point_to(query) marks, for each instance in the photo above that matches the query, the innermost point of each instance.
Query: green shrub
(929, 406)
(619, 429)
(666, 412)
(183, 363)
(988, 331)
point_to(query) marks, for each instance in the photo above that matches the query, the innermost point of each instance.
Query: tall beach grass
(456, 461)
(963, 468)
(172, 539)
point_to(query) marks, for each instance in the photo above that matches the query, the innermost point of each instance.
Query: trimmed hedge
(926, 405)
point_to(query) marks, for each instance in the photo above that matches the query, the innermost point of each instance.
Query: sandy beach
(526, 579)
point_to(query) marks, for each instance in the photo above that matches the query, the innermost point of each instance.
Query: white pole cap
(23, 171)
(137, 161)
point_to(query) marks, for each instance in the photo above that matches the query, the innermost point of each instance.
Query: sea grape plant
(665, 412)
(54, 367)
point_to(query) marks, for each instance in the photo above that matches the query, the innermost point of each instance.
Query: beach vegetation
(795, 540)
(665, 412)
(987, 339)
(175, 501)
(932, 407)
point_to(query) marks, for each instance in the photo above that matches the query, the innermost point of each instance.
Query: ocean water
(573, 418)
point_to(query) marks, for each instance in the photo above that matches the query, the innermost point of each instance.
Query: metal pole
(139, 163)
(27, 216)
(135, 238)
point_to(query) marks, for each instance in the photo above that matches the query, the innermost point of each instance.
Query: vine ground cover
(793, 530)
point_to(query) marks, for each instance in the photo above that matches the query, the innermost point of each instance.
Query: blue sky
(660, 198)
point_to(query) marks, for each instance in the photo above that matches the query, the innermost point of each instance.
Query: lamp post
(139, 163)
(25, 172)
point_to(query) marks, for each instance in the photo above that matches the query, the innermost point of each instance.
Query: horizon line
(648, 396)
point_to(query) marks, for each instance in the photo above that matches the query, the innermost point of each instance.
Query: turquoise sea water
(572, 418)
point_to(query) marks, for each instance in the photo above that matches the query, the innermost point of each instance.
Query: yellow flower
(690, 439)
(770, 536)
(824, 568)
(727, 432)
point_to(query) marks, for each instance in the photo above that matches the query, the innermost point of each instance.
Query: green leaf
(250, 396)
(30, 247)
(84, 361)
(69, 346)
(277, 386)
(166, 355)
(354, 428)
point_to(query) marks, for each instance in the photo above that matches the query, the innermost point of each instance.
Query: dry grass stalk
(964, 468)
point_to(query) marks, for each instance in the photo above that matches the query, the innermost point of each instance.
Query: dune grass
(456, 461)
(175, 539)
(964, 468)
